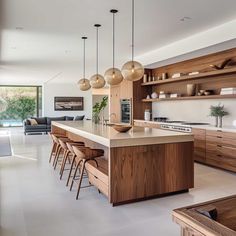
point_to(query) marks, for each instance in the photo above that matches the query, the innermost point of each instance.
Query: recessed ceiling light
(19, 28)
(185, 18)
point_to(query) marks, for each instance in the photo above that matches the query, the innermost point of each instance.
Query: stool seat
(82, 155)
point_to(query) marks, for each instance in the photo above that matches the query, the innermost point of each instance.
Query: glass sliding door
(21, 102)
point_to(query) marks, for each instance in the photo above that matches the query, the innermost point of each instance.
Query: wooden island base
(134, 173)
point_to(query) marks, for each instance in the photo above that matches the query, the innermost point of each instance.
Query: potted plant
(218, 112)
(97, 108)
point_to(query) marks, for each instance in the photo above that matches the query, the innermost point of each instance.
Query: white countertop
(109, 137)
(207, 127)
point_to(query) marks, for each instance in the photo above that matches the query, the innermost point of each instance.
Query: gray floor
(5, 146)
(35, 203)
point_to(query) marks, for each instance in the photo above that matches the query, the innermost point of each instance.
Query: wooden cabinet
(221, 149)
(199, 144)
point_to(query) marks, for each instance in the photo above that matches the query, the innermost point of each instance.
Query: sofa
(43, 124)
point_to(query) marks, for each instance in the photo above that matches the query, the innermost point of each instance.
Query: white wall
(194, 110)
(51, 90)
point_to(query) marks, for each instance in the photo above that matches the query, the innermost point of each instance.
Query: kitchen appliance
(125, 106)
(181, 126)
(147, 115)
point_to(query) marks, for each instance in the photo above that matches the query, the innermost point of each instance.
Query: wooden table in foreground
(194, 223)
(140, 164)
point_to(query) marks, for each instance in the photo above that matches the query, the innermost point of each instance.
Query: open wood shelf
(190, 77)
(190, 98)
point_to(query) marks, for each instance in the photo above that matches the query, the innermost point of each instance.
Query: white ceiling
(41, 40)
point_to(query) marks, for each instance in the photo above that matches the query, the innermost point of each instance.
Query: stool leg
(71, 168)
(53, 151)
(80, 179)
(74, 175)
(64, 162)
(63, 154)
(57, 157)
(55, 154)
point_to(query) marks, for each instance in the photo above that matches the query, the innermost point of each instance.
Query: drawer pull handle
(219, 130)
(219, 145)
(95, 177)
(219, 137)
(219, 155)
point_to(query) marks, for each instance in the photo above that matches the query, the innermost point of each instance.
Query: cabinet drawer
(214, 133)
(94, 180)
(101, 172)
(222, 162)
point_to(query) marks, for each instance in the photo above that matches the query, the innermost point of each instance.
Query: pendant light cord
(97, 52)
(84, 57)
(132, 30)
(113, 48)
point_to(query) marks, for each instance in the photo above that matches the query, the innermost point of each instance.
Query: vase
(216, 121)
(96, 119)
(220, 121)
(191, 89)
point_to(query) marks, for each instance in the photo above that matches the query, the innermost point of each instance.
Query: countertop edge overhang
(172, 137)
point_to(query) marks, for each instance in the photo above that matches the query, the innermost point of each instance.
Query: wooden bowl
(122, 128)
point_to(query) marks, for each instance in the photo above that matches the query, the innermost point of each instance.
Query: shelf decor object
(223, 64)
(113, 75)
(83, 83)
(218, 112)
(97, 81)
(132, 70)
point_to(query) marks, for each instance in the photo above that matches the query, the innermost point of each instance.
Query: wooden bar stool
(70, 147)
(83, 155)
(67, 155)
(59, 149)
(54, 144)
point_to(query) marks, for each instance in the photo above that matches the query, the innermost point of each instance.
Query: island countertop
(109, 137)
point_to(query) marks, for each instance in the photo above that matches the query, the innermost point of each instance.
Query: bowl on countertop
(122, 128)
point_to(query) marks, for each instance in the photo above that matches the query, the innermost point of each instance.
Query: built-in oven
(125, 105)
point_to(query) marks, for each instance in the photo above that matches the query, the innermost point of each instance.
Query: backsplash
(194, 110)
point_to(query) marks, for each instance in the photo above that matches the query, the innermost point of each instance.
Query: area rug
(5, 146)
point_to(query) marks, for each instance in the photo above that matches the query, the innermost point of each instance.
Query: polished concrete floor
(33, 202)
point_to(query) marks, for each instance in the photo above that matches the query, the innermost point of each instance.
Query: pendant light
(132, 70)
(97, 80)
(83, 83)
(113, 75)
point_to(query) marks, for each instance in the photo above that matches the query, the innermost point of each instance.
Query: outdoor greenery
(98, 108)
(19, 108)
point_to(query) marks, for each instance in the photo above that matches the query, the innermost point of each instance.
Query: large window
(21, 102)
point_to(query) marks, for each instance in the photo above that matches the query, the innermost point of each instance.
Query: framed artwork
(68, 103)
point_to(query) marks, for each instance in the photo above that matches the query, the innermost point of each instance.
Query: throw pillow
(33, 122)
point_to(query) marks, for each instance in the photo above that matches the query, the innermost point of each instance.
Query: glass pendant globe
(84, 84)
(113, 76)
(97, 81)
(132, 71)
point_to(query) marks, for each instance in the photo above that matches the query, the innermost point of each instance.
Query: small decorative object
(194, 73)
(145, 78)
(147, 115)
(222, 65)
(227, 91)
(191, 89)
(164, 76)
(149, 78)
(122, 128)
(176, 75)
(97, 108)
(174, 95)
(158, 77)
(218, 112)
(207, 93)
(162, 94)
(148, 96)
(153, 78)
(154, 95)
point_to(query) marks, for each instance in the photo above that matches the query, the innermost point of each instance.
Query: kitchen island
(140, 164)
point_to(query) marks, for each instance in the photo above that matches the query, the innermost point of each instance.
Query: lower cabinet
(199, 145)
(215, 148)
